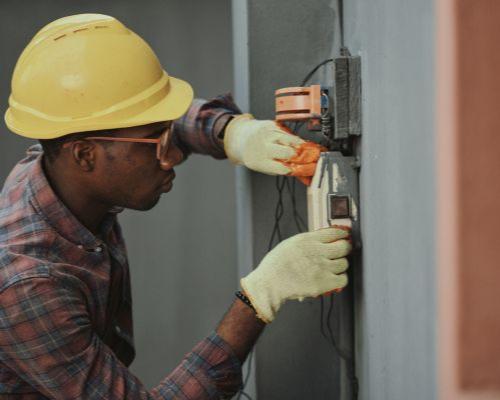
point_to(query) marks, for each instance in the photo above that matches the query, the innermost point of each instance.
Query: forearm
(200, 129)
(240, 328)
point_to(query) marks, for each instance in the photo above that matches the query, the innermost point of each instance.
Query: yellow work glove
(305, 265)
(267, 147)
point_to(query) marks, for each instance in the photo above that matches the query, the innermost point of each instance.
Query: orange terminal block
(298, 103)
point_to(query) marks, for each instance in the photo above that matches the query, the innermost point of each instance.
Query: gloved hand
(267, 147)
(305, 265)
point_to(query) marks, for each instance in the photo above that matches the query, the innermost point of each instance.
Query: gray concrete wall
(396, 314)
(182, 253)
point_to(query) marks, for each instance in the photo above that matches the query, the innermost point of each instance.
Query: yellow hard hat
(89, 72)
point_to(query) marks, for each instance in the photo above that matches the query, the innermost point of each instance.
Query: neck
(75, 195)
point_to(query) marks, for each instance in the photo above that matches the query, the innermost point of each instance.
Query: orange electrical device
(300, 104)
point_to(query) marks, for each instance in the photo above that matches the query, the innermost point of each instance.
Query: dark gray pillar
(286, 39)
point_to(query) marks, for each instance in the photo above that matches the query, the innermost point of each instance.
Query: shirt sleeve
(200, 129)
(47, 339)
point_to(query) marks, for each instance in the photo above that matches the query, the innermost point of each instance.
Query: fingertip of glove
(332, 234)
(346, 246)
(336, 283)
(344, 280)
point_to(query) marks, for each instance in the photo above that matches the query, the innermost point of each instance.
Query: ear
(83, 153)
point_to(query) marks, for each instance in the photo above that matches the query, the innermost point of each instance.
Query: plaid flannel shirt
(65, 299)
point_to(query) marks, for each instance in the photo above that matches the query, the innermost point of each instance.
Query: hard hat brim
(171, 107)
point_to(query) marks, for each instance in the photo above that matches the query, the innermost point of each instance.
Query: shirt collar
(57, 214)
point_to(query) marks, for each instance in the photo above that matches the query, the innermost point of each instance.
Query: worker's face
(130, 175)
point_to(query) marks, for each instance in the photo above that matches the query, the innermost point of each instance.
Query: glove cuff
(256, 293)
(235, 138)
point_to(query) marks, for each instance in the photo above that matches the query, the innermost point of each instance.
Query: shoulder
(25, 237)
(18, 268)
(16, 273)
(18, 218)
(18, 176)
(37, 284)
(26, 243)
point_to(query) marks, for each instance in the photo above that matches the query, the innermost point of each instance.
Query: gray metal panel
(396, 315)
(183, 252)
(286, 39)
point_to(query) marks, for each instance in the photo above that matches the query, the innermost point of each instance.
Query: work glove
(305, 265)
(270, 148)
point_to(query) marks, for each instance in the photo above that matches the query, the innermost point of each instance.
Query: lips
(170, 178)
(167, 183)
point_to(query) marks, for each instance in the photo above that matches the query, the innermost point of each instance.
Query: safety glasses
(162, 142)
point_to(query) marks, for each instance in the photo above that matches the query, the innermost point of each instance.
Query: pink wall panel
(478, 66)
(468, 120)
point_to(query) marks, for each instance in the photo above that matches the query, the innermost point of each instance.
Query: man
(95, 96)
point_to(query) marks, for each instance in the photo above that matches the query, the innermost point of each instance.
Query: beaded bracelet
(244, 299)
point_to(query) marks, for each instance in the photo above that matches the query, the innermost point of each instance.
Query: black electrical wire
(313, 71)
(340, 4)
(342, 354)
(246, 395)
(278, 211)
(349, 361)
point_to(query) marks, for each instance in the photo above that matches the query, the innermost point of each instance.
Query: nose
(174, 157)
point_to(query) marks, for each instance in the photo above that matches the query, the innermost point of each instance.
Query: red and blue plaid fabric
(198, 130)
(64, 332)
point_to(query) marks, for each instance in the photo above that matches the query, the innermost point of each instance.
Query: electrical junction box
(333, 196)
(334, 113)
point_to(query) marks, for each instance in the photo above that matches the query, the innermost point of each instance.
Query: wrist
(236, 136)
(227, 120)
(240, 328)
(244, 299)
(260, 297)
